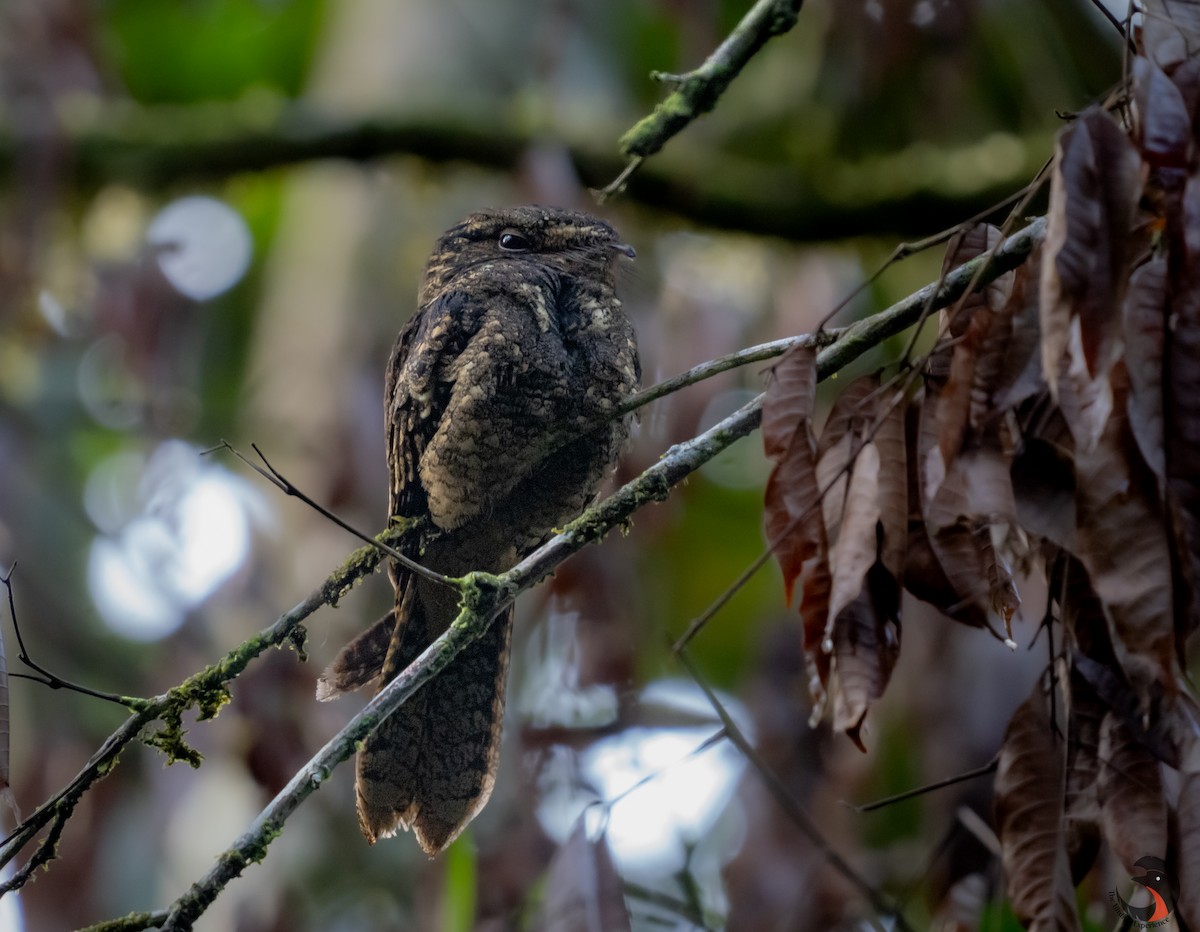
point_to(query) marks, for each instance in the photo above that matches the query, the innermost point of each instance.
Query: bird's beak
(625, 249)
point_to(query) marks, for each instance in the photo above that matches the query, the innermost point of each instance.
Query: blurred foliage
(185, 52)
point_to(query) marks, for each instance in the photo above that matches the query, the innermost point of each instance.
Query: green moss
(297, 640)
(481, 593)
(129, 922)
(169, 738)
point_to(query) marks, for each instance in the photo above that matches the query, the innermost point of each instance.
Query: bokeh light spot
(203, 246)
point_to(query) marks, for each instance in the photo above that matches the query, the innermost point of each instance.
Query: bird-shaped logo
(1159, 885)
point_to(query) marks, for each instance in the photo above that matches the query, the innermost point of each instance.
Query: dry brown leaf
(1170, 31)
(924, 575)
(1164, 125)
(1122, 542)
(1020, 376)
(893, 487)
(792, 514)
(584, 892)
(1043, 480)
(1094, 188)
(1082, 802)
(1189, 845)
(980, 327)
(1145, 316)
(1130, 792)
(975, 497)
(1029, 820)
(1086, 404)
(1182, 433)
(844, 433)
(978, 486)
(857, 541)
(866, 644)
(790, 398)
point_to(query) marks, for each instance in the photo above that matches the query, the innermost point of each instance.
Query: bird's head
(569, 244)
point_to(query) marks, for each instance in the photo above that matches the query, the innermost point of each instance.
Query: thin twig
(281, 482)
(696, 624)
(904, 250)
(45, 677)
(989, 767)
(744, 357)
(1117, 24)
(791, 805)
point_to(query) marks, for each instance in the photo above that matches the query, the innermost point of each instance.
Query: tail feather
(430, 766)
(359, 662)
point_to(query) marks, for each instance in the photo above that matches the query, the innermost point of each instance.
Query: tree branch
(207, 691)
(486, 595)
(157, 148)
(698, 91)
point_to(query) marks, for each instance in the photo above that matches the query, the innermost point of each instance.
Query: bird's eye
(512, 241)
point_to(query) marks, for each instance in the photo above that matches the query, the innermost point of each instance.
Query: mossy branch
(206, 691)
(697, 92)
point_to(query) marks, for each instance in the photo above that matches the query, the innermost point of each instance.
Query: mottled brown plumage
(519, 347)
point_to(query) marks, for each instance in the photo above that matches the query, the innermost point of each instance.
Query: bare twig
(743, 357)
(989, 767)
(281, 482)
(45, 677)
(792, 807)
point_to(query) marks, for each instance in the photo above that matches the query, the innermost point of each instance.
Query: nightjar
(518, 350)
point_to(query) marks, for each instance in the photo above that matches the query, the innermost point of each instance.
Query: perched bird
(495, 389)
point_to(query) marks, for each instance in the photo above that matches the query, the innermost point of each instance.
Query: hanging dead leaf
(893, 486)
(977, 487)
(1134, 813)
(790, 398)
(1121, 541)
(1163, 125)
(1094, 188)
(1145, 316)
(792, 515)
(979, 330)
(1182, 434)
(865, 646)
(849, 423)
(584, 892)
(1082, 803)
(1020, 376)
(1043, 481)
(924, 574)
(1029, 820)
(857, 541)
(1170, 31)
(1189, 842)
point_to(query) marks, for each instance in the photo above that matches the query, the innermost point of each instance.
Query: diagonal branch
(485, 595)
(207, 691)
(698, 91)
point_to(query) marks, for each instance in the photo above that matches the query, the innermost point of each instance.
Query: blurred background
(213, 218)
